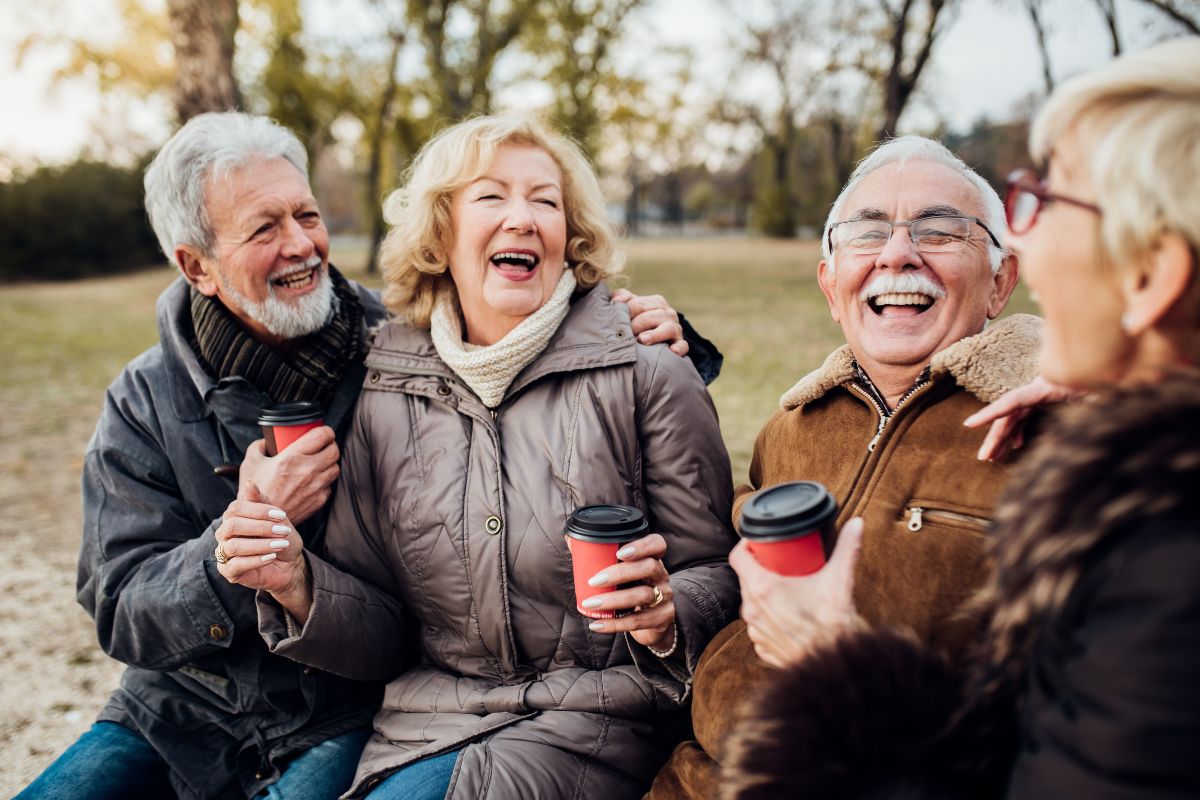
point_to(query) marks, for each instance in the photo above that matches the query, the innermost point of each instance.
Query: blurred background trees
(810, 86)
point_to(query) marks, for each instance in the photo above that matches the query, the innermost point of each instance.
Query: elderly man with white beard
(259, 316)
(913, 271)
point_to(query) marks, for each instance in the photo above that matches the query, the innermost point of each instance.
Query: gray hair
(208, 146)
(917, 148)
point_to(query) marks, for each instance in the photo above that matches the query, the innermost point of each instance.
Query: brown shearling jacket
(450, 576)
(924, 497)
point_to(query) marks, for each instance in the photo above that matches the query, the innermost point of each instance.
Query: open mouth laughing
(901, 296)
(301, 276)
(516, 264)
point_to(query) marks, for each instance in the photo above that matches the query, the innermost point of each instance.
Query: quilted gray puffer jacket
(451, 579)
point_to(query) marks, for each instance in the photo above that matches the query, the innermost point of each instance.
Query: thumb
(845, 553)
(251, 492)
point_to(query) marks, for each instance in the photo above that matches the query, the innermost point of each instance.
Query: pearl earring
(1127, 322)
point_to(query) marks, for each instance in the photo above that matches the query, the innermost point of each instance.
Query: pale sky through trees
(985, 64)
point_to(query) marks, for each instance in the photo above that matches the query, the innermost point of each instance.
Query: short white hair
(917, 148)
(1136, 125)
(209, 145)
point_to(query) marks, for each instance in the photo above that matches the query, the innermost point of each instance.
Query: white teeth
(902, 299)
(528, 258)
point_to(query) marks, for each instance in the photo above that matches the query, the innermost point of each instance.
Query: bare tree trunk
(1183, 19)
(375, 166)
(901, 81)
(202, 33)
(1109, 9)
(1034, 7)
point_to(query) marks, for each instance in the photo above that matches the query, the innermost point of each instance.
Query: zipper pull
(494, 413)
(914, 518)
(878, 433)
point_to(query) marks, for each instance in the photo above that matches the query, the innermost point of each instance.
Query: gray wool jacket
(448, 574)
(201, 686)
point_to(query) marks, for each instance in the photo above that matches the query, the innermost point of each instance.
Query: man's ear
(1003, 283)
(1159, 281)
(197, 269)
(827, 280)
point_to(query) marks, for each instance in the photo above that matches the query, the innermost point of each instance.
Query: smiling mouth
(900, 304)
(299, 278)
(522, 260)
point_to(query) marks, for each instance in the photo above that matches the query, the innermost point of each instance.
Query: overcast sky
(985, 64)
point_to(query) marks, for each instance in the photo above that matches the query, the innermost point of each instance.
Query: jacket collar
(596, 333)
(1002, 357)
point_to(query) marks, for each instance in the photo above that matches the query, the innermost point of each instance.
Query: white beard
(307, 315)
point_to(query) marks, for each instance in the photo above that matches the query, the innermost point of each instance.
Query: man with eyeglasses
(913, 270)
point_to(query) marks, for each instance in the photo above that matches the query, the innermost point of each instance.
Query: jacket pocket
(919, 513)
(220, 689)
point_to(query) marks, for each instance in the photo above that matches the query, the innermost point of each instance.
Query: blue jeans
(111, 762)
(428, 779)
(108, 762)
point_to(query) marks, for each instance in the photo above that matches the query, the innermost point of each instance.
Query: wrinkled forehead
(911, 190)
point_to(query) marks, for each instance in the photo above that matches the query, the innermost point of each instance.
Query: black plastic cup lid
(783, 511)
(606, 524)
(297, 412)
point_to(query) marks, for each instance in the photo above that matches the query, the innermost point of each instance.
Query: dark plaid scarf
(309, 368)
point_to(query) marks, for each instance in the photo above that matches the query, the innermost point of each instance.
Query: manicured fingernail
(626, 552)
(591, 602)
(644, 338)
(270, 557)
(597, 626)
(276, 513)
(599, 579)
(279, 544)
(282, 530)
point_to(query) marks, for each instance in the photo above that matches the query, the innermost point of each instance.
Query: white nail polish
(597, 626)
(279, 544)
(270, 556)
(599, 579)
(282, 530)
(626, 552)
(276, 513)
(591, 602)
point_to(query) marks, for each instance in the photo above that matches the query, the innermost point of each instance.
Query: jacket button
(374, 377)
(492, 525)
(217, 632)
(443, 390)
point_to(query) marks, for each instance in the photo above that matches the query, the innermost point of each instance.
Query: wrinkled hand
(653, 320)
(1009, 414)
(788, 617)
(640, 563)
(298, 480)
(258, 548)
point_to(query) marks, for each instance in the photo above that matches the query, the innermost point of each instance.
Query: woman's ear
(1164, 277)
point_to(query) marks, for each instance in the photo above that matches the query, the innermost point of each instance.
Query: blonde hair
(1135, 122)
(412, 257)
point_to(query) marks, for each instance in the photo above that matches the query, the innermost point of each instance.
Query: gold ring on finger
(658, 597)
(221, 557)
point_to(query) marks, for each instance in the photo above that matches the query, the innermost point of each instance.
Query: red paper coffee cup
(594, 535)
(284, 423)
(789, 527)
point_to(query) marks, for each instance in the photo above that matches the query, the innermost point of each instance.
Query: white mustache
(904, 283)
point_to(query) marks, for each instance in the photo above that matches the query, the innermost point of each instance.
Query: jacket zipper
(883, 416)
(917, 514)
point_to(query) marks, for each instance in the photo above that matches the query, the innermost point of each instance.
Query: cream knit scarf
(489, 370)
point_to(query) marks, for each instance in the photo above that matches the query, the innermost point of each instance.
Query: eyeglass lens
(1021, 207)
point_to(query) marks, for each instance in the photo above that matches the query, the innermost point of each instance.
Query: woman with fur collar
(1087, 684)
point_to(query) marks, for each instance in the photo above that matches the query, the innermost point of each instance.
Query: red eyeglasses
(1026, 196)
